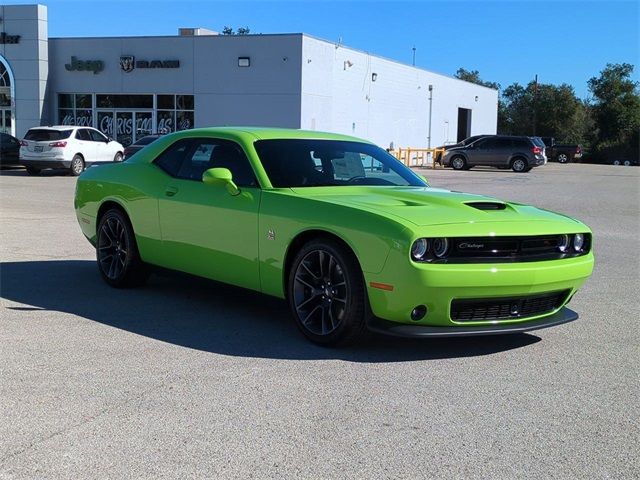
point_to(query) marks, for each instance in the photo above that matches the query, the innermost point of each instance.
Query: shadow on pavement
(209, 316)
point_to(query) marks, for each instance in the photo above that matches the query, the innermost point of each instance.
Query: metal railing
(419, 157)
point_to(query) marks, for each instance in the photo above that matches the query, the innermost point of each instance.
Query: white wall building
(131, 86)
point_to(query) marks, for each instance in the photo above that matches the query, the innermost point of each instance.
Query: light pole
(413, 62)
(430, 109)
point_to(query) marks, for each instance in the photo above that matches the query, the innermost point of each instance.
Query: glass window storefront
(127, 117)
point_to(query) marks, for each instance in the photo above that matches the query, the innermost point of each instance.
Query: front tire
(563, 158)
(33, 171)
(118, 157)
(77, 165)
(458, 163)
(326, 293)
(117, 254)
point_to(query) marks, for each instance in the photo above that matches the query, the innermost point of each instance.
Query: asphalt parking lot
(186, 378)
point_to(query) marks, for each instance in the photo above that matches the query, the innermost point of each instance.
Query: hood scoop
(487, 205)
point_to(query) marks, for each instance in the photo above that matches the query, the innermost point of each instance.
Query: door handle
(170, 191)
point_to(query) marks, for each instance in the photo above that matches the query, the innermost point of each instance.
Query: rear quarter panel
(134, 187)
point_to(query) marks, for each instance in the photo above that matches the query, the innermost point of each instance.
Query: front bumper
(564, 315)
(437, 286)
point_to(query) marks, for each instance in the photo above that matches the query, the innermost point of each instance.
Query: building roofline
(395, 61)
(300, 34)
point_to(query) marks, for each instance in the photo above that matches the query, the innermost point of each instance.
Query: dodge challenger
(350, 237)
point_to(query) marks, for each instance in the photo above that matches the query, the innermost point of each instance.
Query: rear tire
(519, 165)
(458, 163)
(326, 293)
(117, 253)
(77, 165)
(33, 171)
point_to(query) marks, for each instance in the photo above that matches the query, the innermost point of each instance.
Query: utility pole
(414, 56)
(535, 104)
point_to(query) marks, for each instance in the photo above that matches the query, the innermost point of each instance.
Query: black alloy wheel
(117, 253)
(326, 293)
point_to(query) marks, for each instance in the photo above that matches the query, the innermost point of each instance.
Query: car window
(489, 143)
(521, 143)
(146, 140)
(45, 134)
(312, 163)
(83, 134)
(96, 136)
(171, 159)
(217, 153)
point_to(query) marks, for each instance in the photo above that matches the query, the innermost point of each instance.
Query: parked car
(462, 143)
(520, 154)
(561, 152)
(9, 150)
(139, 145)
(338, 227)
(67, 146)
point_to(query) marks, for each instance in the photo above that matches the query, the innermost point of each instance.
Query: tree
(616, 104)
(473, 76)
(230, 31)
(545, 110)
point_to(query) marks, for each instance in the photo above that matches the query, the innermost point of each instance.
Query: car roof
(267, 133)
(58, 127)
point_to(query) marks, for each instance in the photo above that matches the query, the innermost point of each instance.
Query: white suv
(67, 146)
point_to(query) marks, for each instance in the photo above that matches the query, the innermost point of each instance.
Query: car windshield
(315, 163)
(146, 140)
(46, 135)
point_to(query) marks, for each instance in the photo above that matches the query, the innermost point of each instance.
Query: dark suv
(520, 154)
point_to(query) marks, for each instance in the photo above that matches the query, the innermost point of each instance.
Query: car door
(85, 145)
(479, 152)
(205, 230)
(101, 142)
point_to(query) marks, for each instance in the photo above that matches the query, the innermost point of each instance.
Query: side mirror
(220, 177)
(109, 139)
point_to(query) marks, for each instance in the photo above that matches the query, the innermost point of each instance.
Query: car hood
(430, 206)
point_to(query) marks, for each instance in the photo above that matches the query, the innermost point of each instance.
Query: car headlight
(440, 247)
(563, 243)
(419, 249)
(578, 242)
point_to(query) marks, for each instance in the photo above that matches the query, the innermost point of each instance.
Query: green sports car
(350, 237)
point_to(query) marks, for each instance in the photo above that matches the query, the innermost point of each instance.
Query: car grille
(507, 308)
(508, 249)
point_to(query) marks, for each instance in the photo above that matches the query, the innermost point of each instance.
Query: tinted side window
(521, 143)
(171, 159)
(96, 136)
(83, 134)
(215, 153)
(489, 143)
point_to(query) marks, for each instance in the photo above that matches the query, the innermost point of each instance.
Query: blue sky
(561, 41)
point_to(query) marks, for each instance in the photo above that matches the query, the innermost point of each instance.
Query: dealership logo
(128, 63)
(9, 39)
(95, 66)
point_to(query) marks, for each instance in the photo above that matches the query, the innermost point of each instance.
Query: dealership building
(131, 86)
